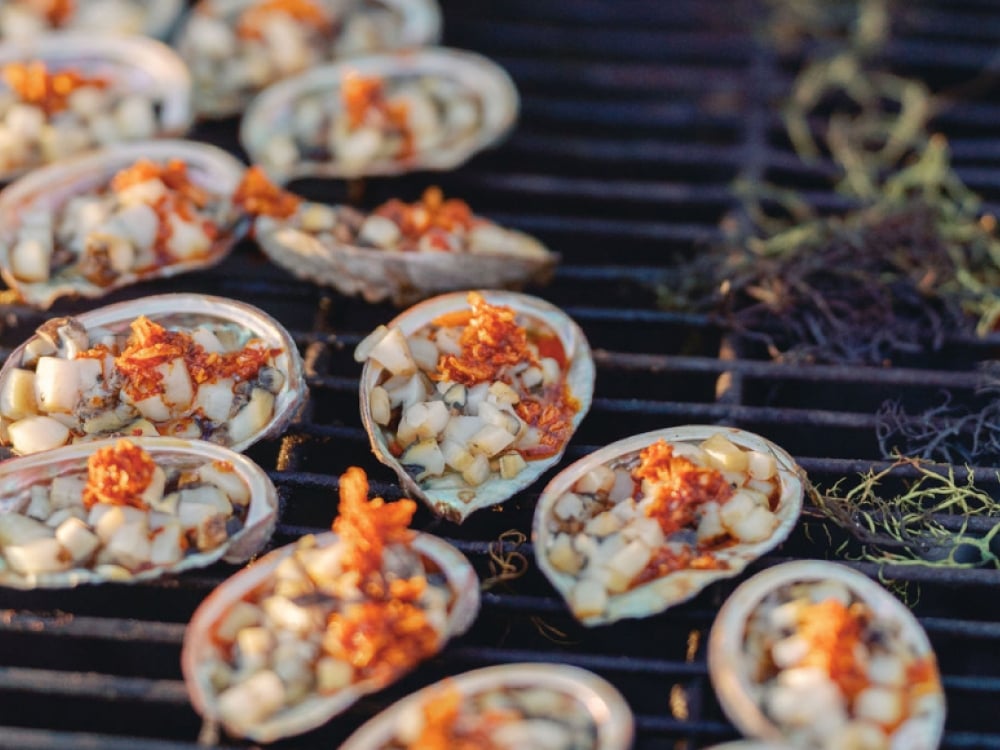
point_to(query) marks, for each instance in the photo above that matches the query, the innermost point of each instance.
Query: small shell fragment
(401, 251)
(237, 47)
(380, 115)
(23, 18)
(457, 411)
(69, 92)
(290, 642)
(527, 705)
(649, 521)
(117, 216)
(178, 365)
(202, 502)
(817, 655)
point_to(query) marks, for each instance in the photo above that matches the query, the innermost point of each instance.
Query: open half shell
(337, 246)
(757, 646)
(51, 244)
(142, 91)
(559, 701)
(50, 395)
(155, 18)
(233, 55)
(428, 109)
(202, 655)
(84, 546)
(450, 493)
(605, 552)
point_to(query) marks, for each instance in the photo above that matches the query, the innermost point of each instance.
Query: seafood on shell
(509, 707)
(117, 216)
(65, 93)
(23, 18)
(427, 109)
(180, 365)
(401, 251)
(470, 396)
(817, 655)
(649, 521)
(235, 48)
(296, 638)
(67, 519)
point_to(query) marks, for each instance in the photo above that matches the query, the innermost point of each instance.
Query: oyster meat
(23, 18)
(507, 707)
(649, 521)
(237, 47)
(295, 639)
(816, 654)
(129, 510)
(469, 397)
(66, 93)
(178, 365)
(400, 251)
(380, 115)
(118, 216)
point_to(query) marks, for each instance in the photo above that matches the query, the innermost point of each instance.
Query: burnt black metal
(637, 114)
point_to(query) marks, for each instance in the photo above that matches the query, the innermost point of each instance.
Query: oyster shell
(586, 710)
(22, 18)
(231, 61)
(251, 388)
(394, 381)
(94, 548)
(122, 89)
(337, 246)
(640, 567)
(233, 662)
(893, 656)
(426, 109)
(45, 253)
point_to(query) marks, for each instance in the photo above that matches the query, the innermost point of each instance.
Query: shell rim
(792, 493)
(725, 641)
(294, 392)
(601, 700)
(579, 357)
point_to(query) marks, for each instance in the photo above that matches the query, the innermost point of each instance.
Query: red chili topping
(117, 475)
(256, 17)
(258, 196)
(362, 96)
(431, 215)
(442, 729)
(34, 84)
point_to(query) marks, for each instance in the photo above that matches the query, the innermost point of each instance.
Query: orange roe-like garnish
(441, 729)
(366, 527)
(118, 475)
(258, 196)
(678, 485)
(256, 17)
(34, 84)
(151, 345)
(552, 414)
(491, 341)
(833, 632)
(432, 212)
(362, 96)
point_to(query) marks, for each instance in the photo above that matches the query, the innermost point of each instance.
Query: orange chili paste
(34, 84)
(258, 196)
(256, 17)
(117, 475)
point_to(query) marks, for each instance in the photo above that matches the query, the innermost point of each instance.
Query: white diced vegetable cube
(35, 434)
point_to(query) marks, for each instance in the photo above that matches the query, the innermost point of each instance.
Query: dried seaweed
(948, 432)
(928, 523)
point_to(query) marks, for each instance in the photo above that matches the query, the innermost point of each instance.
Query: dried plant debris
(950, 432)
(938, 518)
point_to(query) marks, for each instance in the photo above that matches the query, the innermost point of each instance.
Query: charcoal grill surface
(637, 115)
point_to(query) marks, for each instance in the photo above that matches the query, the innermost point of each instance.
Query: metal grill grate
(636, 117)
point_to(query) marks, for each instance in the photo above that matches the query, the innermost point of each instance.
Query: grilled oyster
(380, 115)
(179, 365)
(114, 217)
(649, 521)
(817, 654)
(68, 517)
(509, 706)
(23, 18)
(66, 93)
(287, 644)
(237, 47)
(400, 251)
(470, 397)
